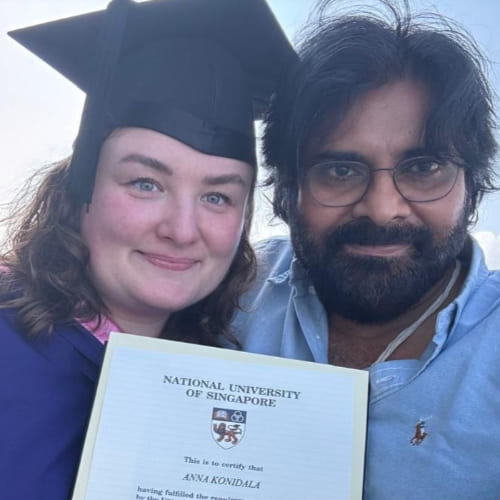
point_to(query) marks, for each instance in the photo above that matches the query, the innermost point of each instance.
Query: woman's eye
(216, 199)
(147, 185)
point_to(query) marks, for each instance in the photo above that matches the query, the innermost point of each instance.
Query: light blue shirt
(454, 388)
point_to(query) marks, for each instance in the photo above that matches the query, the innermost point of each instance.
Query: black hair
(344, 56)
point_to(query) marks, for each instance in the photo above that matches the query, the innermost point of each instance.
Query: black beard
(370, 289)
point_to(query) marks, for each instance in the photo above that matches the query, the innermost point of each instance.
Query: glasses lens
(425, 179)
(338, 183)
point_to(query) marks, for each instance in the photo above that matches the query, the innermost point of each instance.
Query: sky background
(40, 110)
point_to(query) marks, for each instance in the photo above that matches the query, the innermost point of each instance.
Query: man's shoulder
(272, 247)
(259, 321)
(482, 296)
(274, 257)
(481, 290)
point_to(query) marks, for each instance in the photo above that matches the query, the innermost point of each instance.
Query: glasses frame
(372, 171)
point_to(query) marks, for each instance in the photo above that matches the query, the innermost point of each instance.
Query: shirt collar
(477, 273)
(101, 329)
(296, 276)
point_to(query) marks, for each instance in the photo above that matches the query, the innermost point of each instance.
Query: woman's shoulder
(67, 347)
(47, 377)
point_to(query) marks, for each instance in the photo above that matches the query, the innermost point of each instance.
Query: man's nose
(382, 202)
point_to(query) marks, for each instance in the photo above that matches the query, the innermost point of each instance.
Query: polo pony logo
(420, 433)
(228, 426)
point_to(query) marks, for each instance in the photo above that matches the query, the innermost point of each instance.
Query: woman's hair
(45, 260)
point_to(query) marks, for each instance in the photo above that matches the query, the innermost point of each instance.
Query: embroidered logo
(228, 426)
(420, 433)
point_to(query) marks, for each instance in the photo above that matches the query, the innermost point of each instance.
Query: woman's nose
(179, 223)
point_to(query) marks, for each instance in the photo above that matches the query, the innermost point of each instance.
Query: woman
(145, 229)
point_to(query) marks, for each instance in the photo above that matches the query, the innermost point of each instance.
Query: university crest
(228, 426)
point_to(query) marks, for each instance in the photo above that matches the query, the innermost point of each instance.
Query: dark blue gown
(47, 387)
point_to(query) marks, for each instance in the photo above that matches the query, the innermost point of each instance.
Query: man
(380, 147)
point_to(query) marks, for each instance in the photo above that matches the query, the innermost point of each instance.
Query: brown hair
(45, 268)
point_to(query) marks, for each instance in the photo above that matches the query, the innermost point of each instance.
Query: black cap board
(197, 70)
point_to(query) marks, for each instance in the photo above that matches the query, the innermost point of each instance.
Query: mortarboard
(197, 70)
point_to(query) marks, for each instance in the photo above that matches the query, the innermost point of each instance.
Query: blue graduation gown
(47, 387)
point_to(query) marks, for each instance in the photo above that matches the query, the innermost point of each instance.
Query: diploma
(175, 421)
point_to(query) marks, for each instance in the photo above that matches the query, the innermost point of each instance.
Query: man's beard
(368, 288)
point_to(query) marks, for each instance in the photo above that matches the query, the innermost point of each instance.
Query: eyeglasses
(339, 183)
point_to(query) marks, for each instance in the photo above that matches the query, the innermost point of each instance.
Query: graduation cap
(197, 70)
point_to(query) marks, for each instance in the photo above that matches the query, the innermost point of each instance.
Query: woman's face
(164, 223)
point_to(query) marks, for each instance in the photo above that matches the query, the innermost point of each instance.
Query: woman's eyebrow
(147, 161)
(224, 179)
(210, 180)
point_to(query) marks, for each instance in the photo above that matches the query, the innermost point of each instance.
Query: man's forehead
(392, 116)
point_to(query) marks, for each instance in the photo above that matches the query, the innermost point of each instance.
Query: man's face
(372, 260)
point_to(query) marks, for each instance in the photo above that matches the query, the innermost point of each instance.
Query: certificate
(175, 421)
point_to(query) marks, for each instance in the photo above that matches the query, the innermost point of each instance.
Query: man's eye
(341, 171)
(421, 167)
(216, 199)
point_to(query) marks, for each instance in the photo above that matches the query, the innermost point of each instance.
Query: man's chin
(367, 288)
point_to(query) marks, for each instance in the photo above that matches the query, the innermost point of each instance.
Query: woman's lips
(169, 262)
(378, 250)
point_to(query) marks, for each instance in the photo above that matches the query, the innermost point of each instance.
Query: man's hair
(345, 56)
(45, 276)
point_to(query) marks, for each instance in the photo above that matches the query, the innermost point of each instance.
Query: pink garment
(101, 332)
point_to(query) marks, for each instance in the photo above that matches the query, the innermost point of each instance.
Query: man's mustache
(365, 232)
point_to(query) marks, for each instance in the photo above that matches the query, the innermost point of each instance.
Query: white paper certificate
(175, 421)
